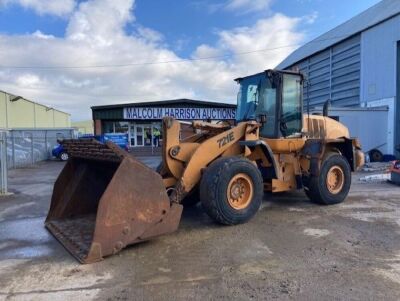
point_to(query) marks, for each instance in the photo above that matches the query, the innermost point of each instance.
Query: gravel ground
(292, 249)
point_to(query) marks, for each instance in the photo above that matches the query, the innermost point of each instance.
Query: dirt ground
(291, 250)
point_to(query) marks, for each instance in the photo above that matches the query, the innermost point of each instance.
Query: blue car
(59, 152)
(119, 139)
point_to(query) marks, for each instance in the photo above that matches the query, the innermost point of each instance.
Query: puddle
(10, 210)
(25, 238)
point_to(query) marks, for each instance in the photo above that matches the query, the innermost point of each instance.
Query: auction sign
(143, 113)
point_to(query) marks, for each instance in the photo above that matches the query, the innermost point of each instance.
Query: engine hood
(324, 127)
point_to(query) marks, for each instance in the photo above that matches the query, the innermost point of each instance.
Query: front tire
(333, 183)
(231, 190)
(64, 156)
(192, 198)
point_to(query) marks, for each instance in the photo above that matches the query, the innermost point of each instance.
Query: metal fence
(26, 147)
(3, 163)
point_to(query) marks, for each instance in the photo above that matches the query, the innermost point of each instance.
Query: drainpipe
(7, 98)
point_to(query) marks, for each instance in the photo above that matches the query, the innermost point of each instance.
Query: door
(132, 135)
(139, 135)
(148, 135)
(291, 120)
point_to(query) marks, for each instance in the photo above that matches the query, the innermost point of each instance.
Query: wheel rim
(376, 156)
(335, 179)
(240, 191)
(64, 156)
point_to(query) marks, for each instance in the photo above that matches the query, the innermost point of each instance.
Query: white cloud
(247, 5)
(95, 37)
(41, 35)
(27, 80)
(51, 7)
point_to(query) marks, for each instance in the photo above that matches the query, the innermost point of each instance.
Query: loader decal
(225, 140)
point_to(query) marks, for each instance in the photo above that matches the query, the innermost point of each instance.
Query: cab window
(291, 117)
(267, 106)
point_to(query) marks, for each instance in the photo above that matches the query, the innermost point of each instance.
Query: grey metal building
(356, 64)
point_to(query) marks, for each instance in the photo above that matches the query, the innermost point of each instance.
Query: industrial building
(17, 112)
(142, 120)
(83, 127)
(356, 64)
(29, 130)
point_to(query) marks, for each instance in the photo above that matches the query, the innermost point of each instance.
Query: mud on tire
(214, 185)
(320, 190)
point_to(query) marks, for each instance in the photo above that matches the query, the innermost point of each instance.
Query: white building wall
(388, 124)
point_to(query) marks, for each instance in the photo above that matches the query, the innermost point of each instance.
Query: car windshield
(248, 97)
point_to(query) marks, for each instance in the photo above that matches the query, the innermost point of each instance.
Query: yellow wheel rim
(240, 191)
(335, 179)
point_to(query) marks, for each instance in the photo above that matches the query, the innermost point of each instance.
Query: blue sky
(189, 23)
(52, 33)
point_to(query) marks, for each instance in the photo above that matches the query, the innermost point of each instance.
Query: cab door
(291, 120)
(289, 123)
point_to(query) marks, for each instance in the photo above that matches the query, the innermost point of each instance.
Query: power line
(165, 62)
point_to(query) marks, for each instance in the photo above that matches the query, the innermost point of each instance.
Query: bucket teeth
(92, 150)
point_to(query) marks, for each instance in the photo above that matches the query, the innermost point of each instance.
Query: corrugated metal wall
(333, 74)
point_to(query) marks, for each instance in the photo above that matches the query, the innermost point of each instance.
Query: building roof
(373, 16)
(181, 101)
(17, 97)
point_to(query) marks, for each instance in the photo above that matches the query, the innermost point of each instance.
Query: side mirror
(262, 118)
(325, 110)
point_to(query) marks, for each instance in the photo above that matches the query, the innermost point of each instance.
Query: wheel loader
(105, 199)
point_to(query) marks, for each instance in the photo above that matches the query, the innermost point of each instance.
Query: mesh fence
(26, 147)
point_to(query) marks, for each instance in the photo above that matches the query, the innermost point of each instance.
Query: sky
(72, 55)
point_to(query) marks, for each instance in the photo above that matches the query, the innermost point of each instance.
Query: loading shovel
(104, 200)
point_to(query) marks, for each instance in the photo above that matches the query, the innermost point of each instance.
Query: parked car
(60, 153)
(119, 139)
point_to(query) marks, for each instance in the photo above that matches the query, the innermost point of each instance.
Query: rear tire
(231, 190)
(333, 183)
(375, 155)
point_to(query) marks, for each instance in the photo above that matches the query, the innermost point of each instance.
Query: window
(267, 106)
(108, 127)
(121, 127)
(291, 118)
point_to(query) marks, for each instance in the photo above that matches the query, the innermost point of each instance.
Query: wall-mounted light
(15, 98)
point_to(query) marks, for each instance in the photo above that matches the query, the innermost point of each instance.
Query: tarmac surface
(291, 250)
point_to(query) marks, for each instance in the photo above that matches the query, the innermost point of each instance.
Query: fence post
(13, 148)
(32, 153)
(3, 164)
(45, 145)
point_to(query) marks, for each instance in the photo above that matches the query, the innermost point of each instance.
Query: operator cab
(273, 98)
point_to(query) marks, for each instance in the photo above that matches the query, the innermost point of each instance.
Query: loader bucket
(104, 200)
